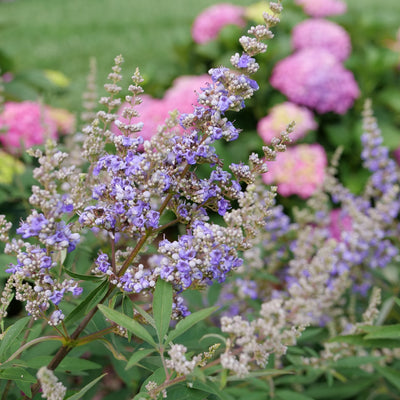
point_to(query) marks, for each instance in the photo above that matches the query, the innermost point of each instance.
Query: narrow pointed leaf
(145, 315)
(128, 323)
(79, 395)
(383, 332)
(82, 277)
(11, 334)
(392, 375)
(91, 300)
(162, 307)
(191, 320)
(138, 356)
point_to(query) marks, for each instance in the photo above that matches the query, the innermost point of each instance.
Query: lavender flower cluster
(134, 189)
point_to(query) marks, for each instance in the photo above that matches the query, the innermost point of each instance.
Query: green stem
(33, 342)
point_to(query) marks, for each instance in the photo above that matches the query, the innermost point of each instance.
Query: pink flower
(183, 93)
(299, 170)
(153, 112)
(24, 125)
(322, 8)
(209, 23)
(64, 120)
(324, 34)
(316, 79)
(280, 116)
(340, 222)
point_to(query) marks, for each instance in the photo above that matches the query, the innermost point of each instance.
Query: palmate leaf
(162, 308)
(128, 323)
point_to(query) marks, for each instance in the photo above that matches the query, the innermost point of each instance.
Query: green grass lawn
(63, 34)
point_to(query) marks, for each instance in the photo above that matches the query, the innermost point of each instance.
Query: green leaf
(145, 315)
(138, 356)
(210, 387)
(290, 395)
(162, 307)
(72, 364)
(83, 277)
(256, 374)
(382, 332)
(10, 336)
(392, 375)
(117, 355)
(130, 324)
(91, 300)
(24, 386)
(17, 373)
(191, 320)
(340, 390)
(352, 362)
(158, 377)
(78, 396)
(397, 301)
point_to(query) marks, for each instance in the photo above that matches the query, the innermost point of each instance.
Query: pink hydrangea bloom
(64, 120)
(280, 116)
(209, 23)
(322, 8)
(299, 170)
(340, 222)
(322, 33)
(316, 79)
(153, 112)
(24, 125)
(183, 93)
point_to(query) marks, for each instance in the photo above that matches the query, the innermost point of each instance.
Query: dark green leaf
(392, 375)
(128, 323)
(290, 395)
(210, 387)
(191, 320)
(352, 362)
(72, 364)
(382, 332)
(138, 356)
(145, 315)
(82, 277)
(91, 300)
(256, 374)
(162, 307)
(17, 373)
(340, 390)
(78, 396)
(11, 335)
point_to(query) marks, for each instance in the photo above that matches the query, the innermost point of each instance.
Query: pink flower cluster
(322, 8)
(316, 79)
(209, 23)
(299, 170)
(24, 125)
(280, 116)
(153, 112)
(324, 34)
